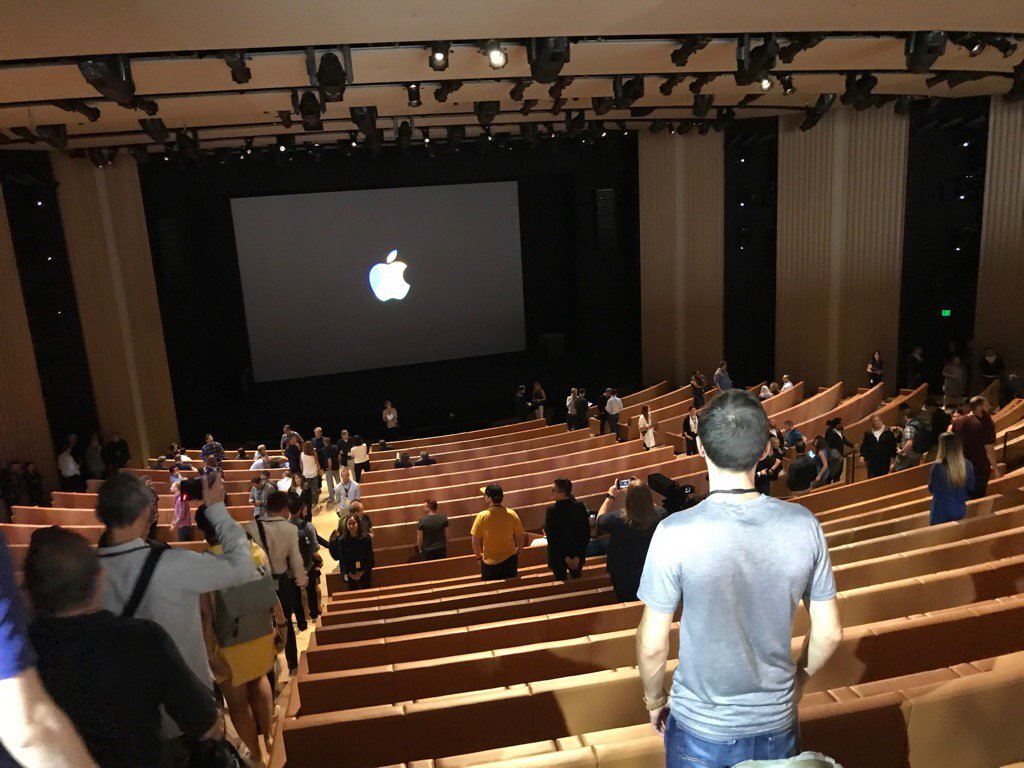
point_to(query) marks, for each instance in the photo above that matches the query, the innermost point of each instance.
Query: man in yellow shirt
(498, 537)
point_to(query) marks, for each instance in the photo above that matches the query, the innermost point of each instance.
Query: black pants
(434, 554)
(506, 569)
(561, 570)
(981, 482)
(291, 603)
(691, 447)
(363, 582)
(73, 484)
(611, 420)
(360, 468)
(314, 613)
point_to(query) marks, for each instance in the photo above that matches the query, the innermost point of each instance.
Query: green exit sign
(947, 313)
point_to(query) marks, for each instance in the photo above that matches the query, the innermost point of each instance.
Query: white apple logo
(387, 280)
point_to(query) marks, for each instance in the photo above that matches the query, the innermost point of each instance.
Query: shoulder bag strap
(156, 551)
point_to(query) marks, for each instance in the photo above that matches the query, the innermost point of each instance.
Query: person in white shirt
(346, 492)
(613, 408)
(765, 392)
(390, 418)
(260, 459)
(787, 383)
(570, 407)
(70, 472)
(646, 426)
(280, 540)
(360, 454)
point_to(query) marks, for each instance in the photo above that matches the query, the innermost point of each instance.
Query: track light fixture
(700, 81)
(754, 65)
(496, 56)
(285, 142)
(413, 92)
(815, 113)
(528, 105)
(797, 44)
(684, 127)
(922, 49)
(547, 56)
(55, 135)
(658, 126)
(519, 89)
(702, 103)
(240, 72)
(329, 76)
(575, 124)
(456, 134)
(446, 89)
(703, 126)
(486, 111)
(139, 153)
(155, 129)
(187, 144)
(99, 158)
(79, 107)
(111, 76)
(403, 138)
(602, 105)
(310, 109)
(627, 92)
(970, 42)
(723, 117)
(687, 47)
(858, 90)
(786, 81)
(748, 99)
(25, 134)
(285, 117)
(670, 84)
(439, 52)
(1005, 45)
(555, 91)
(365, 119)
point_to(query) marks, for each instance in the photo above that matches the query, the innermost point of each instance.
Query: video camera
(677, 497)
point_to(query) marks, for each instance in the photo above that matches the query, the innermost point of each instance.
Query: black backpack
(307, 541)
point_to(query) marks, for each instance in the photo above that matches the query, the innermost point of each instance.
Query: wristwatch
(658, 703)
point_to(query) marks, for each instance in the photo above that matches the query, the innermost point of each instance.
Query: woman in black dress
(876, 369)
(699, 384)
(690, 423)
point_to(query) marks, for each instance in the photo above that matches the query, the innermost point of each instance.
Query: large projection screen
(306, 260)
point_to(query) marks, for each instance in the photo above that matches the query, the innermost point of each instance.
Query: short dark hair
(277, 502)
(295, 504)
(60, 570)
(564, 485)
(494, 493)
(122, 499)
(800, 446)
(734, 430)
(431, 504)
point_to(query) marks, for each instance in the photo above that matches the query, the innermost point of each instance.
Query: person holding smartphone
(628, 515)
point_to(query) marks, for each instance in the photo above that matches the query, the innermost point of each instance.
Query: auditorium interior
(221, 218)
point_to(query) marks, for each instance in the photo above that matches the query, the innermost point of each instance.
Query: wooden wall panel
(999, 317)
(24, 429)
(108, 248)
(841, 207)
(681, 253)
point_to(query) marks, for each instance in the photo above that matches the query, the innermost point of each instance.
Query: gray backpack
(246, 611)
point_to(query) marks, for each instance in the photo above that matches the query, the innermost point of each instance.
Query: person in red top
(978, 435)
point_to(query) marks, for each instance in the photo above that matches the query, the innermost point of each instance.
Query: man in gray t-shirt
(739, 563)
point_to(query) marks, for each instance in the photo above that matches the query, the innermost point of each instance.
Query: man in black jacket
(582, 406)
(567, 528)
(878, 448)
(115, 452)
(802, 470)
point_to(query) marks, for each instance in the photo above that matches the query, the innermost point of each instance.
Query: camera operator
(629, 517)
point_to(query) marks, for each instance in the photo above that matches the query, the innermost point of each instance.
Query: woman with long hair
(698, 384)
(646, 427)
(875, 369)
(353, 549)
(311, 473)
(951, 481)
(360, 453)
(538, 397)
(629, 518)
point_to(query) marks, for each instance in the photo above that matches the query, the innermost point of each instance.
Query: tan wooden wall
(108, 249)
(24, 429)
(999, 318)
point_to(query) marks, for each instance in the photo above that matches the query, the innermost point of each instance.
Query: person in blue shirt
(34, 732)
(791, 434)
(951, 481)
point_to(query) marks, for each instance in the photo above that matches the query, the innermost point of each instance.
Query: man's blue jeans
(685, 749)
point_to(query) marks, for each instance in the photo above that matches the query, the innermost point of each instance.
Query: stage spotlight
(285, 142)
(670, 84)
(703, 127)
(80, 107)
(858, 90)
(528, 106)
(922, 49)
(970, 42)
(413, 92)
(187, 144)
(235, 60)
(486, 111)
(602, 105)
(700, 81)
(496, 56)
(439, 52)
(456, 134)
(555, 91)
(446, 89)
(724, 116)
(146, 105)
(330, 75)
(519, 89)
(575, 124)
(155, 129)
(365, 119)
(547, 56)
(285, 117)
(798, 43)
(404, 136)
(684, 127)
(815, 113)
(753, 65)
(1005, 45)
(529, 133)
(687, 47)
(426, 135)
(24, 133)
(111, 76)
(309, 109)
(786, 81)
(627, 92)
(702, 103)
(98, 157)
(55, 135)
(658, 126)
